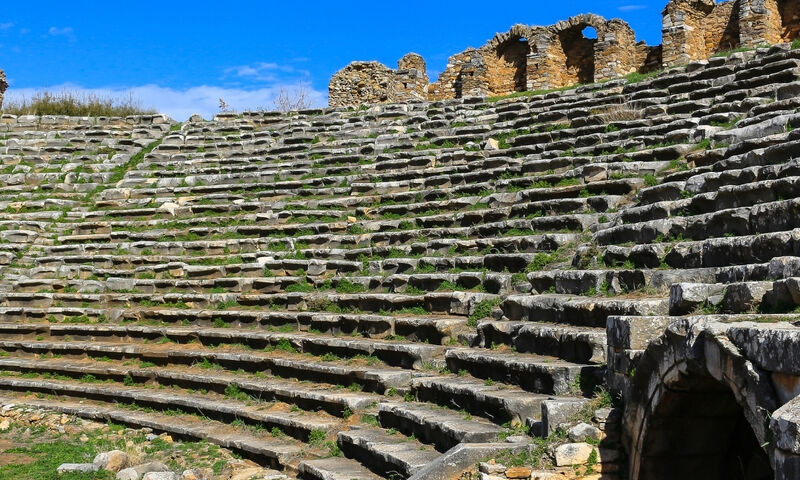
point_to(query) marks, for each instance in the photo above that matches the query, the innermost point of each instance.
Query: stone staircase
(349, 294)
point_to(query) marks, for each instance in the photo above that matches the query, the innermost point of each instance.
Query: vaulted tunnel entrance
(698, 431)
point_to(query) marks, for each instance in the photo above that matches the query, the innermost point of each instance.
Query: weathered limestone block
(77, 468)
(573, 454)
(685, 297)
(785, 426)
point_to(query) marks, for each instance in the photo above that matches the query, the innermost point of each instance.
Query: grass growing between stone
(34, 450)
(532, 93)
(74, 104)
(539, 454)
(33, 453)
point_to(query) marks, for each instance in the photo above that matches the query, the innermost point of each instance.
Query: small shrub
(482, 310)
(316, 437)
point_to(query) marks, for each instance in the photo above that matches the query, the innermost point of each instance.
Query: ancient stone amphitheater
(405, 290)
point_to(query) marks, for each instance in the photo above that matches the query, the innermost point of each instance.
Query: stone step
(577, 311)
(436, 330)
(723, 196)
(263, 448)
(319, 396)
(573, 344)
(445, 303)
(767, 217)
(299, 425)
(714, 252)
(335, 469)
(407, 355)
(499, 402)
(377, 379)
(591, 282)
(438, 426)
(385, 453)
(533, 373)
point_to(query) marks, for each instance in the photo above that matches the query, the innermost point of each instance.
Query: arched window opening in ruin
(790, 19)
(579, 53)
(698, 431)
(506, 71)
(590, 33)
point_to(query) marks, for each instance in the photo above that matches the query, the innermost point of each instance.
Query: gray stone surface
(77, 468)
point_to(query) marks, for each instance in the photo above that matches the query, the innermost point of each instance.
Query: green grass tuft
(74, 104)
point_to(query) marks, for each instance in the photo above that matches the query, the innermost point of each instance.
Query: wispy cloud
(6, 26)
(631, 8)
(67, 32)
(268, 72)
(181, 103)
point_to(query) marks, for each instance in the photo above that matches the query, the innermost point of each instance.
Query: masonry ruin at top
(535, 58)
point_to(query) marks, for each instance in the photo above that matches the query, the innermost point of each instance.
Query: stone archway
(564, 55)
(506, 61)
(570, 53)
(696, 431)
(578, 51)
(697, 409)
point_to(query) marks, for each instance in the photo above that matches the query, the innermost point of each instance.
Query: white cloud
(630, 8)
(181, 103)
(6, 26)
(62, 32)
(268, 72)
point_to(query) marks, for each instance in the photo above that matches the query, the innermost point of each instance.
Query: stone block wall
(769, 21)
(498, 68)
(564, 56)
(463, 76)
(697, 29)
(362, 83)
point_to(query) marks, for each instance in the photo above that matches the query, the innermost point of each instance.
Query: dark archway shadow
(790, 19)
(698, 431)
(579, 52)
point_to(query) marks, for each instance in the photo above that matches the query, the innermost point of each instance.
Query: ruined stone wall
(683, 30)
(524, 58)
(362, 83)
(505, 58)
(497, 68)
(697, 29)
(615, 52)
(562, 55)
(721, 29)
(648, 57)
(505, 68)
(769, 21)
(3, 86)
(538, 58)
(465, 75)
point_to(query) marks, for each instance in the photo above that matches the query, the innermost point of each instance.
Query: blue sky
(181, 57)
